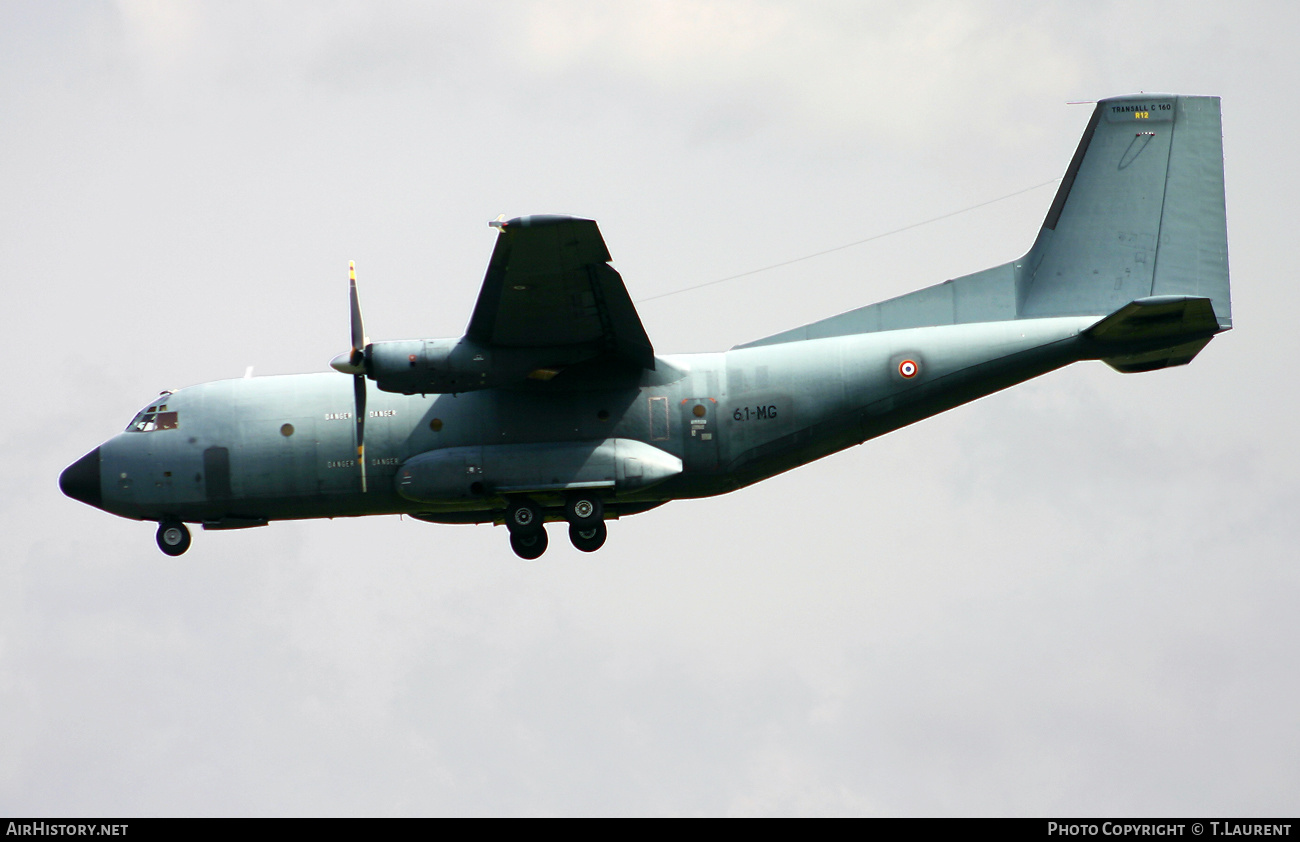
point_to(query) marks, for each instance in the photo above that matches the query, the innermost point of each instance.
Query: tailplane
(1151, 333)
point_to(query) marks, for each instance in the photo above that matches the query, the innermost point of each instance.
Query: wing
(549, 286)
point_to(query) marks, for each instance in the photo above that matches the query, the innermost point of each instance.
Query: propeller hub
(343, 364)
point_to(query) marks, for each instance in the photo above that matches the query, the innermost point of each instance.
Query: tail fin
(1139, 213)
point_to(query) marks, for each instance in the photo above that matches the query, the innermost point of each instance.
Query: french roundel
(908, 369)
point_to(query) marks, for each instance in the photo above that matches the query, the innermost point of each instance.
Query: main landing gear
(173, 537)
(526, 522)
(586, 516)
(588, 539)
(527, 528)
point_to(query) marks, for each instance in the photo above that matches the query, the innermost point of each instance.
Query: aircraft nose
(80, 480)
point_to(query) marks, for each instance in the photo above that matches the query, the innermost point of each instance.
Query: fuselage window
(154, 418)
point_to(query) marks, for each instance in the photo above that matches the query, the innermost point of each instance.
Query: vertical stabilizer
(1140, 212)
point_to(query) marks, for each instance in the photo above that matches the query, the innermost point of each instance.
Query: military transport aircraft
(554, 405)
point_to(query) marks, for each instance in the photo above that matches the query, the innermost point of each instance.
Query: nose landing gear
(173, 537)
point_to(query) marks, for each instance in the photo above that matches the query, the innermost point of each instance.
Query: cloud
(826, 68)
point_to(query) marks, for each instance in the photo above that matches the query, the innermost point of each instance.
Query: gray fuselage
(242, 452)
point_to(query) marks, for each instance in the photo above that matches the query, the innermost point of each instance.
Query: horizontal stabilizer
(1152, 333)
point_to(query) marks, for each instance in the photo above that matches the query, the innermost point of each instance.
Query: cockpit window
(154, 418)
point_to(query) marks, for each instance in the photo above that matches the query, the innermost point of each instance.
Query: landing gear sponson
(584, 512)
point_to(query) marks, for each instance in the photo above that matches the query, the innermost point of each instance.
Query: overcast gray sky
(1075, 597)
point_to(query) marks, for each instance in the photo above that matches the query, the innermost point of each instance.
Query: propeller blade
(354, 361)
(357, 362)
(358, 330)
(359, 395)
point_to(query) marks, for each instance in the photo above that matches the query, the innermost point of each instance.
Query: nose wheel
(173, 537)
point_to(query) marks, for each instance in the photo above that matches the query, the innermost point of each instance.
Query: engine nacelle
(456, 474)
(430, 366)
